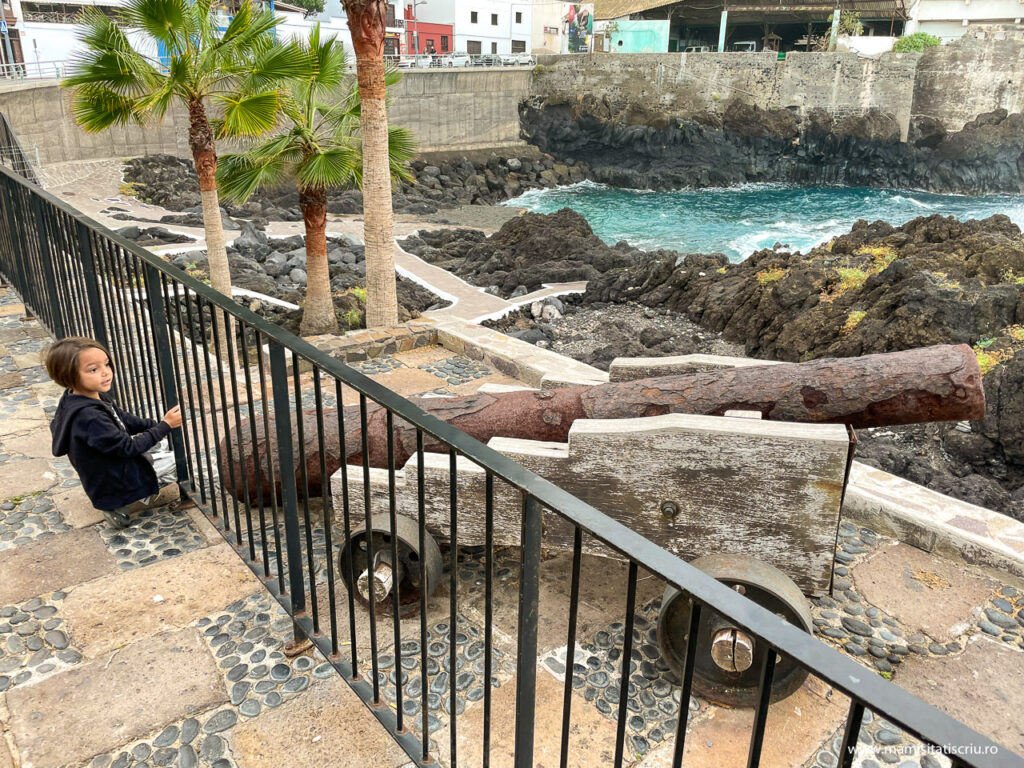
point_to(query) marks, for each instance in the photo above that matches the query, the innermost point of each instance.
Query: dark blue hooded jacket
(109, 458)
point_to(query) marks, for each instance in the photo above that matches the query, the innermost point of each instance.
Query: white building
(483, 26)
(49, 36)
(950, 19)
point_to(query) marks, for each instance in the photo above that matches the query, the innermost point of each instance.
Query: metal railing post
(526, 661)
(92, 288)
(45, 256)
(165, 362)
(289, 495)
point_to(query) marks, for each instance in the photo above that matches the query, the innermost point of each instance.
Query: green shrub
(916, 42)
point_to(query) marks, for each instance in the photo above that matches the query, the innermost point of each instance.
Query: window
(444, 43)
(472, 17)
(390, 22)
(519, 17)
(518, 46)
(473, 47)
(494, 19)
(430, 43)
(494, 47)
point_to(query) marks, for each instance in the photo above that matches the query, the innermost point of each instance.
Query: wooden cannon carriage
(754, 503)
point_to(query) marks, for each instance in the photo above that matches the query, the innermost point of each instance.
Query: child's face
(95, 374)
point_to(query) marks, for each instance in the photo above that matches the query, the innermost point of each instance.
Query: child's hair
(62, 359)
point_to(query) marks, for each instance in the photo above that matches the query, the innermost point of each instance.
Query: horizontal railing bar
(882, 697)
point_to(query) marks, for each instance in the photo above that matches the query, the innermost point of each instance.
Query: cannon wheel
(409, 555)
(727, 671)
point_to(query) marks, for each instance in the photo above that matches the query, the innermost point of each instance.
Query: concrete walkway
(112, 642)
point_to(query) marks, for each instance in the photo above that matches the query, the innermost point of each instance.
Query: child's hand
(173, 417)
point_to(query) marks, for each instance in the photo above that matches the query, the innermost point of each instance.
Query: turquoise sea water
(739, 220)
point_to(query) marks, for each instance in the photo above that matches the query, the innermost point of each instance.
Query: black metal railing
(175, 340)
(11, 153)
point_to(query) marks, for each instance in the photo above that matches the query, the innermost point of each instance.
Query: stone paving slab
(930, 594)
(37, 444)
(327, 726)
(982, 687)
(53, 563)
(591, 736)
(76, 509)
(93, 708)
(22, 477)
(795, 730)
(120, 609)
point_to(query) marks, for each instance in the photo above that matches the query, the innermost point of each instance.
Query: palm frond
(274, 66)
(163, 20)
(249, 115)
(402, 149)
(330, 61)
(334, 167)
(96, 108)
(238, 176)
(285, 146)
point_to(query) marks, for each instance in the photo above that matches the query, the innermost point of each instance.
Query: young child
(106, 445)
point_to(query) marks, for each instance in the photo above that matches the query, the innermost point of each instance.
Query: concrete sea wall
(460, 110)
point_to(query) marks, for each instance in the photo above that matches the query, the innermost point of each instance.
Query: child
(106, 445)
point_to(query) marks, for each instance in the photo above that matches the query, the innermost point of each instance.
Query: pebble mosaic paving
(246, 638)
(33, 642)
(653, 695)
(25, 519)
(457, 370)
(196, 742)
(154, 535)
(373, 365)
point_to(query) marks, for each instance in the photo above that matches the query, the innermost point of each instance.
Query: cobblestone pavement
(155, 646)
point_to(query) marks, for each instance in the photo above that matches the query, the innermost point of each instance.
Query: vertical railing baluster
(421, 522)
(243, 467)
(271, 475)
(181, 379)
(848, 750)
(215, 312)
(326, 506)
(764, 695)
(371, 561)
(257, 463)
(396, 595)
(488, 610)
(453, 591)
(526, 661)
(197, 384)
(53, 311)
(627, 659)
(686, 685)
(347, 520)
(92, 289)
(211, 393)
(570, 646)
(300, 439)
(165, 368)
(286, 458)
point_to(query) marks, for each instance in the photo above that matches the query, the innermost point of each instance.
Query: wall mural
(577, 27)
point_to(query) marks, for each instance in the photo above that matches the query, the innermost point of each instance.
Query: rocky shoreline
(642, 149)
(171, 183)
(275, 267)
(879, 288)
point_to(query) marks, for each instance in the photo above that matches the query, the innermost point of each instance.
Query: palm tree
(320, 149)
(367, 21)
(186, 59)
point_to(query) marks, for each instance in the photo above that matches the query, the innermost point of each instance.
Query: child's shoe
(117, 519)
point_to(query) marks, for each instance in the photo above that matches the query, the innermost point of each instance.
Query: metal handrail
(866, 690)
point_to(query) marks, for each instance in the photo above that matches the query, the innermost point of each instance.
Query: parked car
(457, 60)
(699, 49)
(746, 46)
(517, 59)
(488, 60)
(418, 61)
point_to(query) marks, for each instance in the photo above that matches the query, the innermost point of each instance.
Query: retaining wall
(446, 110)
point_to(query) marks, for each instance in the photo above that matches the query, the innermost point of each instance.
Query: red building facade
(422, 36)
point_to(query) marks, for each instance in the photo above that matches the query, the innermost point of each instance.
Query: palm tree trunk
(204, 155)
(366, 20)
(318, 310)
